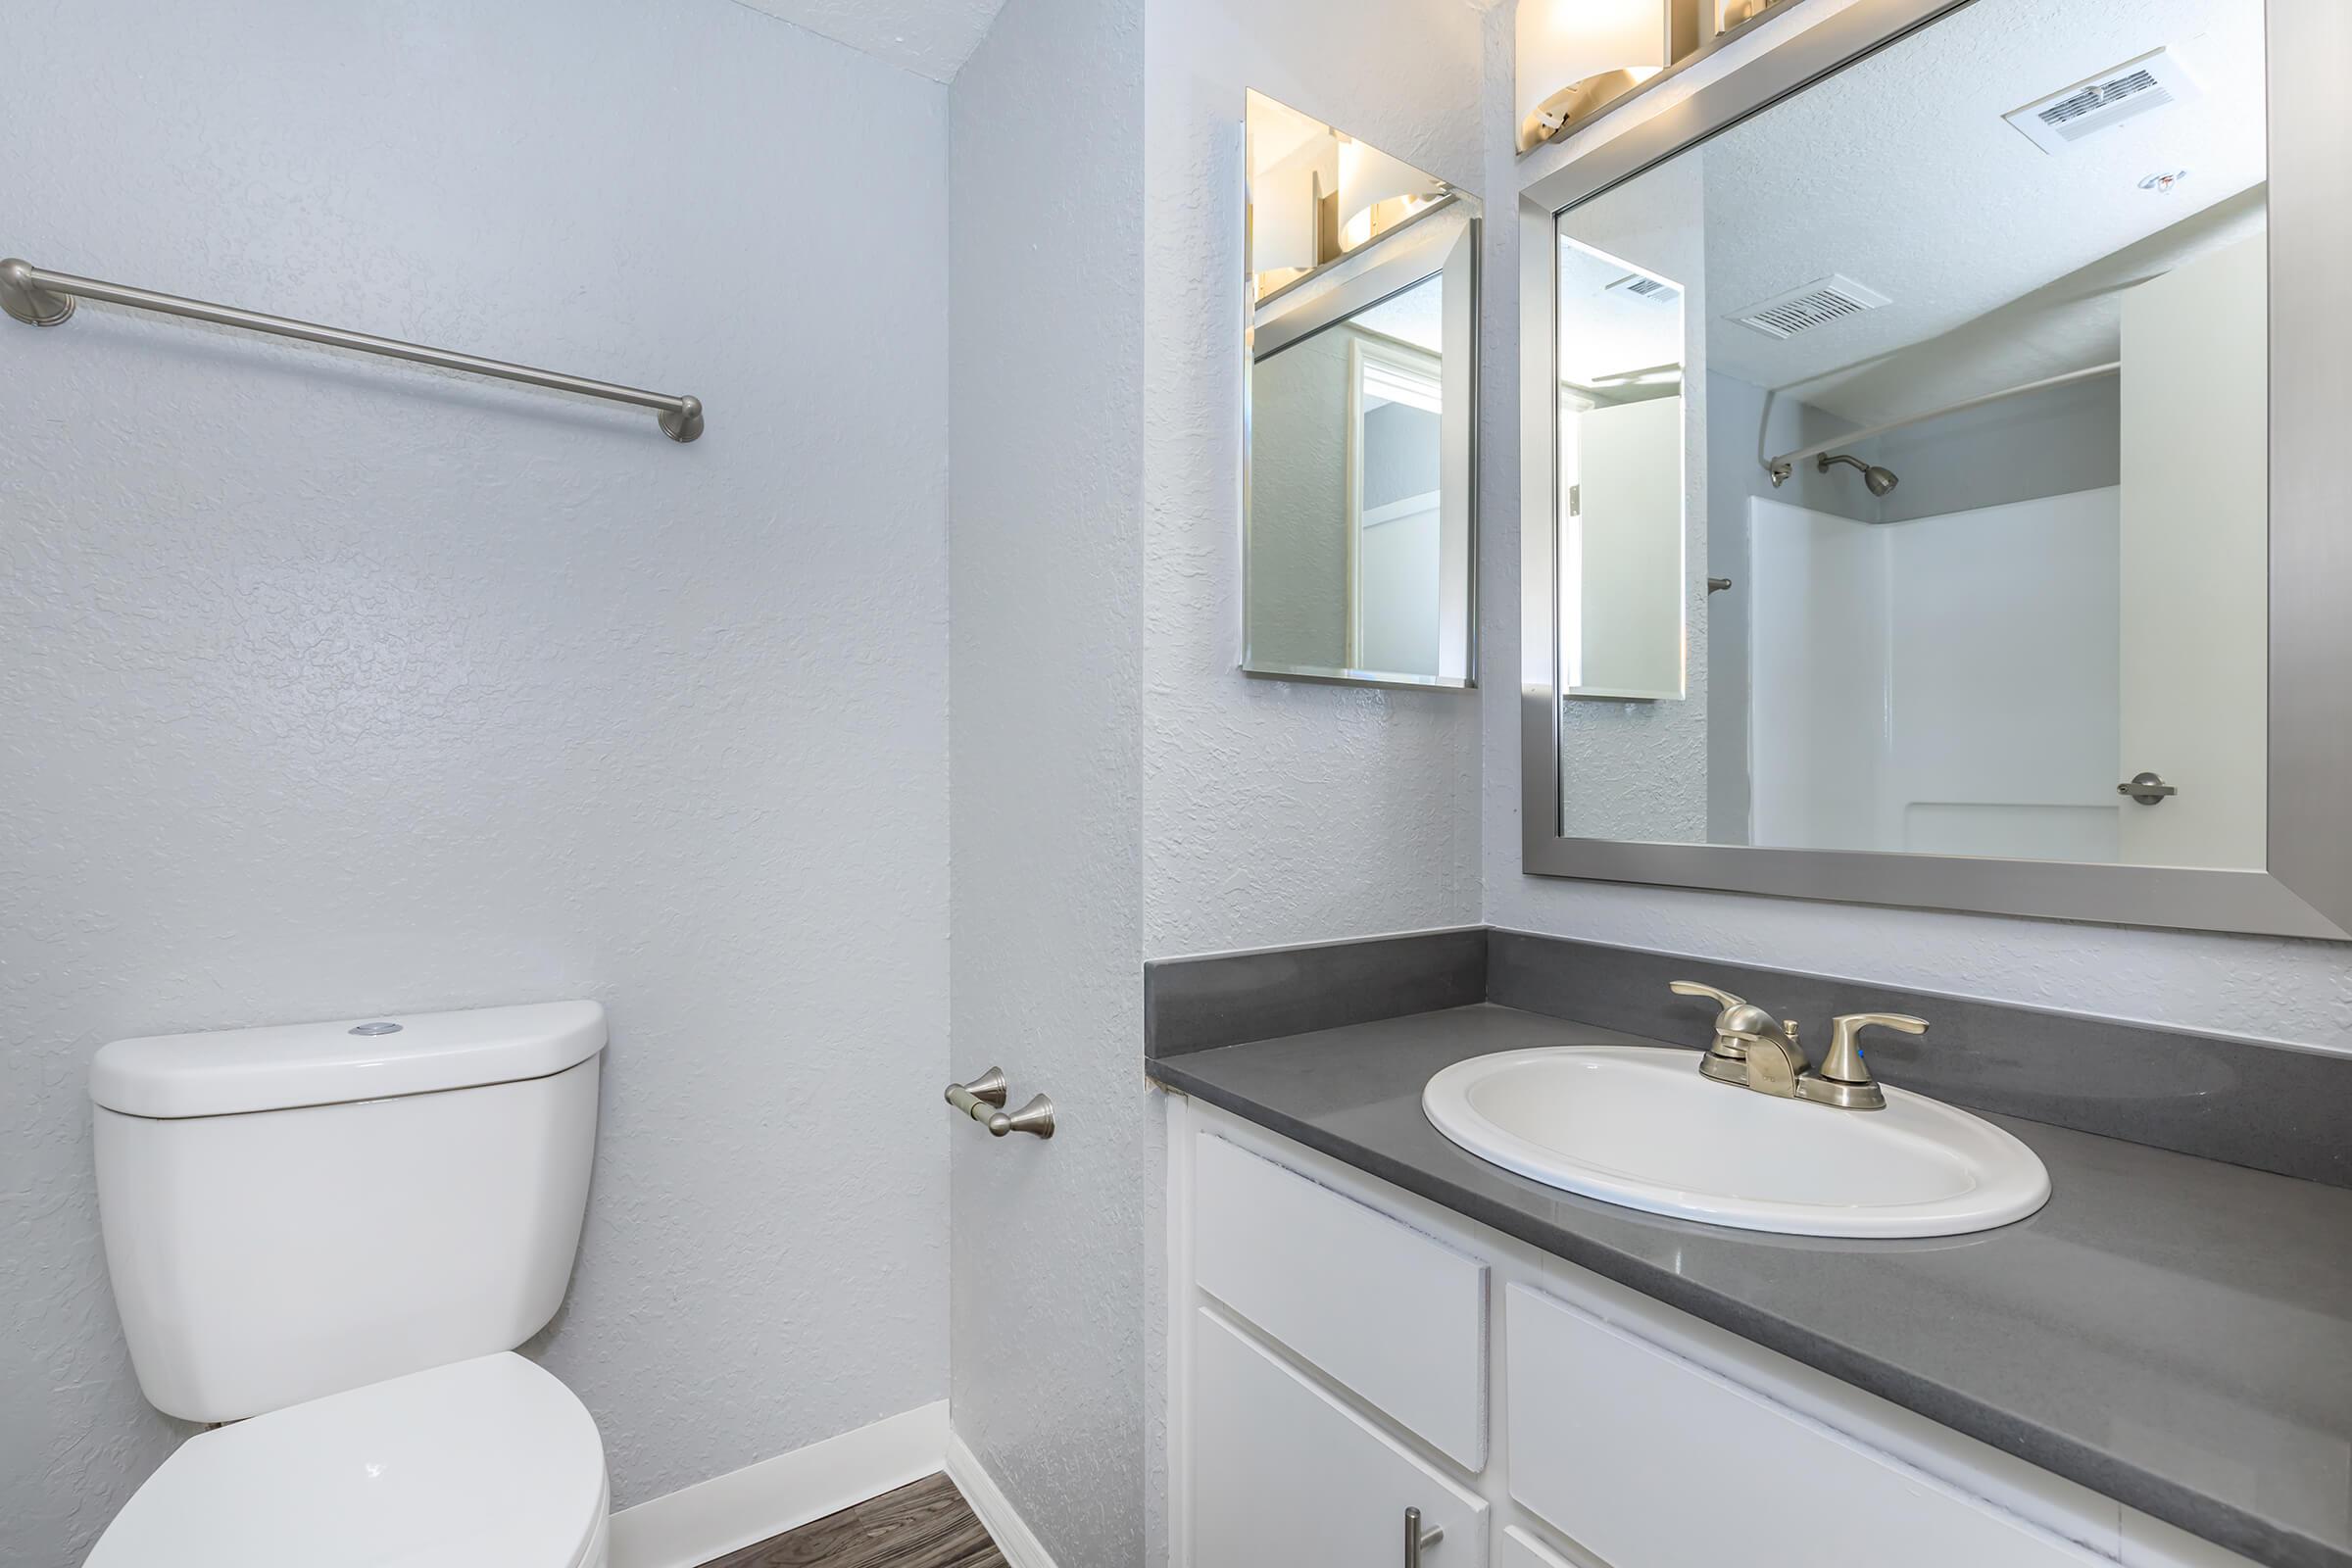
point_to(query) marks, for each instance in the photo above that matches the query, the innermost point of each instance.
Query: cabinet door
(1649, 1462)
(1284, 1476)
(1395, 1318)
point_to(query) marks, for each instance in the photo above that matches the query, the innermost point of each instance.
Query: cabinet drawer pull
(1416, 1540)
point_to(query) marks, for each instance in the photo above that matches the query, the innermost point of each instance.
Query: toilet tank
(293, 1212)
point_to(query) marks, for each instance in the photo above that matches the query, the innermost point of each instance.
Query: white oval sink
(1639, 1126)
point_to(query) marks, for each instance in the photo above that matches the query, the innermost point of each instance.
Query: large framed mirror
(1359, 512)
(1929, 491)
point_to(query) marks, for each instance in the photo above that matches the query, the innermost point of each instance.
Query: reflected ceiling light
(1576, 55)
(1282, 218)
(1316, 194)
(1293, 164)
(1368, 178)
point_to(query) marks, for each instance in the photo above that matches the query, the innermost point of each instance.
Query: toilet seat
(488, 1463)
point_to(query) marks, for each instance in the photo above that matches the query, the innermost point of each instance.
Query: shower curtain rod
(1781, 467)
(41, 298)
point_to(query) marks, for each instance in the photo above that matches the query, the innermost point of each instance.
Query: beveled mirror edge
(2307, 888)
(1397, 263)
(2310, 500)
(1405, 257)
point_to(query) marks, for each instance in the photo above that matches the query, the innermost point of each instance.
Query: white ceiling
(1417, 316)
(2004, 261)
(1607, 332)
(930, 37)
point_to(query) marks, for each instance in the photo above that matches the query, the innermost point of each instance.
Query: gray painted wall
(1299, 504)
(334, 686)
(1401, 454)
(2050, 442)
(1045, 390)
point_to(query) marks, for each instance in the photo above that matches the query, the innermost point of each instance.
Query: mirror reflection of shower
(1881, 480)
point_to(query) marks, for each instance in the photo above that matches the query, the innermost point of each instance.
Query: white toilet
(332, 1235)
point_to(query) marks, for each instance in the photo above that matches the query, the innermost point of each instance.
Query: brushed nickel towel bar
(983, 1100)
(40, 298)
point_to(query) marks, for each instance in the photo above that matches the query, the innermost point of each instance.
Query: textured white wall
(332, 686)
(929, 38)
(2294, 992)
(1045, 388)
(1275, 811)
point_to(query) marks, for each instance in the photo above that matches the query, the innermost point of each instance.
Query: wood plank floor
(927, 1524)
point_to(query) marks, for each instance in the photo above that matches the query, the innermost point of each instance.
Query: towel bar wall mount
(983, 1100)
(41, 298)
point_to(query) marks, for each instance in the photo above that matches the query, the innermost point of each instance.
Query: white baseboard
(693, 1526)
(1012, 1534)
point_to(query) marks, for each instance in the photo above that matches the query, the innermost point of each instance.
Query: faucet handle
(1726, 1059)
(1844, 1064)
(1691, 988)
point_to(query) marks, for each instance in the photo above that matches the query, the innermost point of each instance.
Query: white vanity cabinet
(1302, 1263)
(1594, 1409)
(1287, 1474)
(1342, 1351)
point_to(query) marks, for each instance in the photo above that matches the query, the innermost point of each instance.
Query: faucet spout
(1775, 1062)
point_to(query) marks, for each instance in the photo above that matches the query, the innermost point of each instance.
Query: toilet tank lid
(225, 1072)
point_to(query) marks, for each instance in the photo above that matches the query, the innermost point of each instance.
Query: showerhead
(1880, 480)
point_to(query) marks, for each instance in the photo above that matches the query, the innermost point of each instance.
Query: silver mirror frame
(2306, 890)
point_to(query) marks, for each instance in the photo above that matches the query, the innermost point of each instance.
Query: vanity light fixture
(1294, 162)
(1574, 56)
(1316, 194)
(1377, 192)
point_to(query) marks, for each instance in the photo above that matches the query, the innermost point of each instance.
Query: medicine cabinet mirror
(1361, 337)
(1912, 515)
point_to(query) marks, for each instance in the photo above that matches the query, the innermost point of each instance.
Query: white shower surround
(1944, 685)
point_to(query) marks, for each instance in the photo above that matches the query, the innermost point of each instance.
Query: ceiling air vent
(1655, 289)
(1816, 304)
(2134, 88)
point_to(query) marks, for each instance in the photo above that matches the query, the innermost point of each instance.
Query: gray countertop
(2172, 1331)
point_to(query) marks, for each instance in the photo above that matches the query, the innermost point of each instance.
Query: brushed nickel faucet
(1752, 1051)
(1736, 1026)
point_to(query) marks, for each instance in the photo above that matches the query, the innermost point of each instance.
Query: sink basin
(1639, 1126)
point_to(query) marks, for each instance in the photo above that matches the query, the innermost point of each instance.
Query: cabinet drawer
(1391, 1314)
(1647, 1461)
(1284, 1476)
(1518, 1549)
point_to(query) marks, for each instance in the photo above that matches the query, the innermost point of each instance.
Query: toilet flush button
(376, 1029)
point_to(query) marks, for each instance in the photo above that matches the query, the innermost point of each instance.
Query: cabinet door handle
(1417, 1540)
